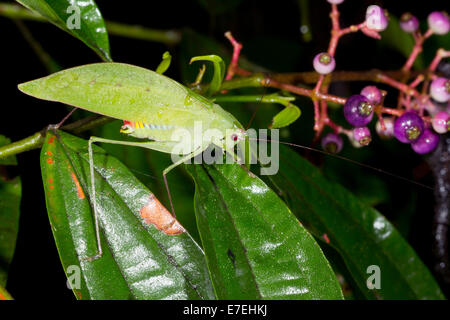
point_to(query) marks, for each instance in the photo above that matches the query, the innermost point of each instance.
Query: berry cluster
(420, 116)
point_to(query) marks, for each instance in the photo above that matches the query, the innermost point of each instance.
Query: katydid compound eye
(234, 137)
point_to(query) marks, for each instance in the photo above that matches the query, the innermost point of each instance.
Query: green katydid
(152, 106)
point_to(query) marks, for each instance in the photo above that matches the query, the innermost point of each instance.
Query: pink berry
(362, 136)
(441, 122)
(358, 111)
(324, 63)
(440, 89)
(439, 22)
(335, 1)
(376, 18)
(408, 127)
(409, 23)
(372, 93)
(426, 143)
(332, 143)
(388, 133)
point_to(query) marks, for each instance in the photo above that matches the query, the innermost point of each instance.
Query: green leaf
(140, 260)
(80, 18)
(362, 236)
(10, 195)
(219, 71)
(165, 63)
(254, 246)
(285, 117)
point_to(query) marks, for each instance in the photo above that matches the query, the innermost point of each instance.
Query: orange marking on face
(51, 139)
(77, 184)
(155, 213)
(49, 160)
(325, 237)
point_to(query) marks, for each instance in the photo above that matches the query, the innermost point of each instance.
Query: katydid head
(238, 135)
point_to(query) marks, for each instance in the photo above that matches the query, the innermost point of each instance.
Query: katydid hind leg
(174, 165)
(155, 145)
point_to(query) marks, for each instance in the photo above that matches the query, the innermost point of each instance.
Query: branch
(36, 140)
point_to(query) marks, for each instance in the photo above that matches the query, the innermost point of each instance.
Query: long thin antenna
(350, 160)
(257, 107)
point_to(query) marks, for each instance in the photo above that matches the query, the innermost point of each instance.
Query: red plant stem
(380, 119)
(316, 115)
(441, 53)
(418, 47)
(234, 60)
(417, 81)
(403, 87)
(304, 92)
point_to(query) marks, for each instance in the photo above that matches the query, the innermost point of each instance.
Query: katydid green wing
(120, 91)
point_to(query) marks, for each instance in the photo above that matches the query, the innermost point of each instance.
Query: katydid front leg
(162, 146)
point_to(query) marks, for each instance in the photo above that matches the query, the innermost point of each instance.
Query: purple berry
(389, 126)
(335, 1)
(362, 135)
(409, 23)
(332, 143)
(426, 143)
(408, 127)
(439, 22)
(358, 110)
(441, 122)
(324, 63)
(440, 89)
(376, 18)
(372, 93)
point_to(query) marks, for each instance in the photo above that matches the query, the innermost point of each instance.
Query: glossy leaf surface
(80, 18)
(143, 258)
(255, 248)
